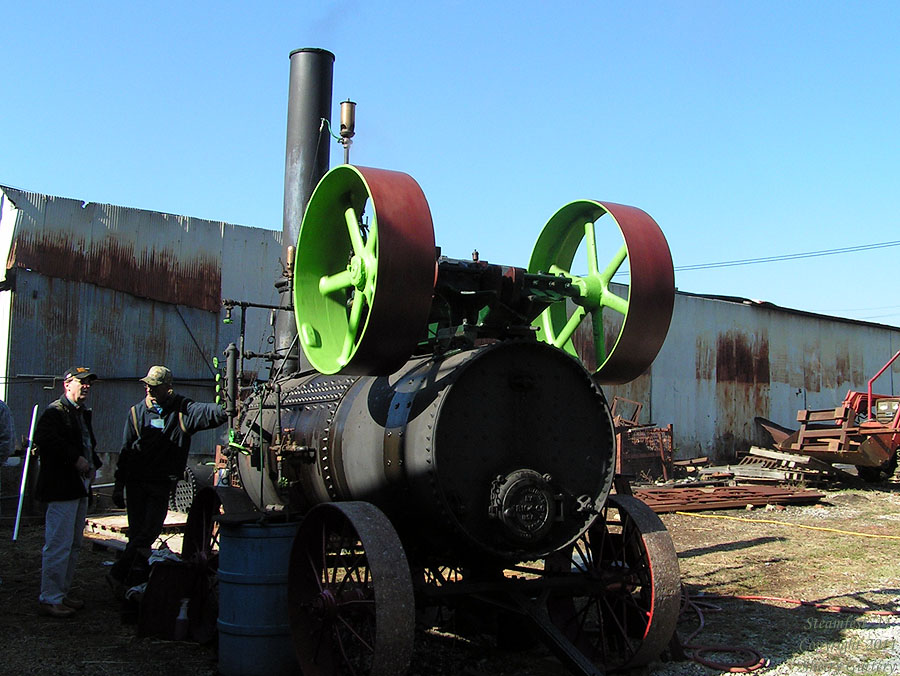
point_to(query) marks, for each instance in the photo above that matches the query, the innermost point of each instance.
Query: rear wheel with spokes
(350, 593)
(631, 621)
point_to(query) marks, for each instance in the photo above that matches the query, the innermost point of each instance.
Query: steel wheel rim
(632, 622)
(350, 593)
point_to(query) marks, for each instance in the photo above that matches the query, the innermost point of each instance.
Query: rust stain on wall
(112, 264)
(740, 359)
(705, 362)
(583, 342)
(842, 369)
(812, 368)
(742, 389)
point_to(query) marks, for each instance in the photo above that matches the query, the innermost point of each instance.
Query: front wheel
(350, 593)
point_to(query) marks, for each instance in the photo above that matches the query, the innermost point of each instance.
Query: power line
(787, 257)
(892, 314)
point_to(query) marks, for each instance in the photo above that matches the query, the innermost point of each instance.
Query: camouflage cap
(157, 375)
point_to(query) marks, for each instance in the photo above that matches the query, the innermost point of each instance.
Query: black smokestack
(306, 160)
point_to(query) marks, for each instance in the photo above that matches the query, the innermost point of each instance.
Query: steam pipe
(306, 161)
(231, 380)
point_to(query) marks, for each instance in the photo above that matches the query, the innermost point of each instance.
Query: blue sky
(747, 130)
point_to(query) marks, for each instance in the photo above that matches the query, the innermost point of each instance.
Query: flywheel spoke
(356, 240)
(599, 335)
(566, 333)
(614, 302)
(590, 240)
(353, 323)
(336, 282)
(614, 264)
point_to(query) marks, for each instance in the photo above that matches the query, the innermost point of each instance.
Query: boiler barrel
(503, 451)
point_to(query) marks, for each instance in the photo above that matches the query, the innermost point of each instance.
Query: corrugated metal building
(728, 360)
(118, 290)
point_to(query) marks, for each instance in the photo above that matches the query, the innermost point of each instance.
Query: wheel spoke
(336, 282)
(599, 336)
(614, 302)
(590, 240)
(312, 567)
(353, 323)
(566, 333)
(356, 240)
(614, 264)
(352, 630)
(613, 615)
(581, 556)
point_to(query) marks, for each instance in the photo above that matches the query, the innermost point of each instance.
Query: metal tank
(450, 449)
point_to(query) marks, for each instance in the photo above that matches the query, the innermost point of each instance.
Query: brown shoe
(56, 610)
(73, 602)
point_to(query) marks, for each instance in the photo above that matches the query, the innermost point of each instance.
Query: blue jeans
(63, 532)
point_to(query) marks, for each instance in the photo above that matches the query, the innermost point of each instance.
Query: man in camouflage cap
(155, 447)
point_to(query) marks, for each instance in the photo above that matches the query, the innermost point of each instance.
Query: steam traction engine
(451, 445)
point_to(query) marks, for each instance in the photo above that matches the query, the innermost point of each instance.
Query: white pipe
(25, 472)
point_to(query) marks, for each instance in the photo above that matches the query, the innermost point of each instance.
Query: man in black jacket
(65, 445)
(155, 448)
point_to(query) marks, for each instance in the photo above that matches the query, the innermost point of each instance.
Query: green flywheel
(364, 271)
(642, 317)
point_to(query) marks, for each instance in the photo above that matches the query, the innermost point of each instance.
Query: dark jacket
(57, 436)
(155, 445)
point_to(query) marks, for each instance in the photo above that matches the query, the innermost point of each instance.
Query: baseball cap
(157, 375)
(80, 372)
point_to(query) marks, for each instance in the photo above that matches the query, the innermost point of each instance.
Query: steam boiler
(438, 428)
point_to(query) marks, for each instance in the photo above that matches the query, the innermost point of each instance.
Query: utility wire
(782, 257)
(788, 257)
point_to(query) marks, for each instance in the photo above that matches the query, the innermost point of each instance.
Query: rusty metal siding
(174, 259)
(57, 323)
(725, 362)
(158, 310)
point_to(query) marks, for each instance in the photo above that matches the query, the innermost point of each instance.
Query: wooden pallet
(768, 466)
(110, 531)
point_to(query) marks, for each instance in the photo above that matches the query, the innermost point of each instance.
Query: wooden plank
(103, 542)
(822, 415)
(747, 471)
(692, 461)
(780, 455)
